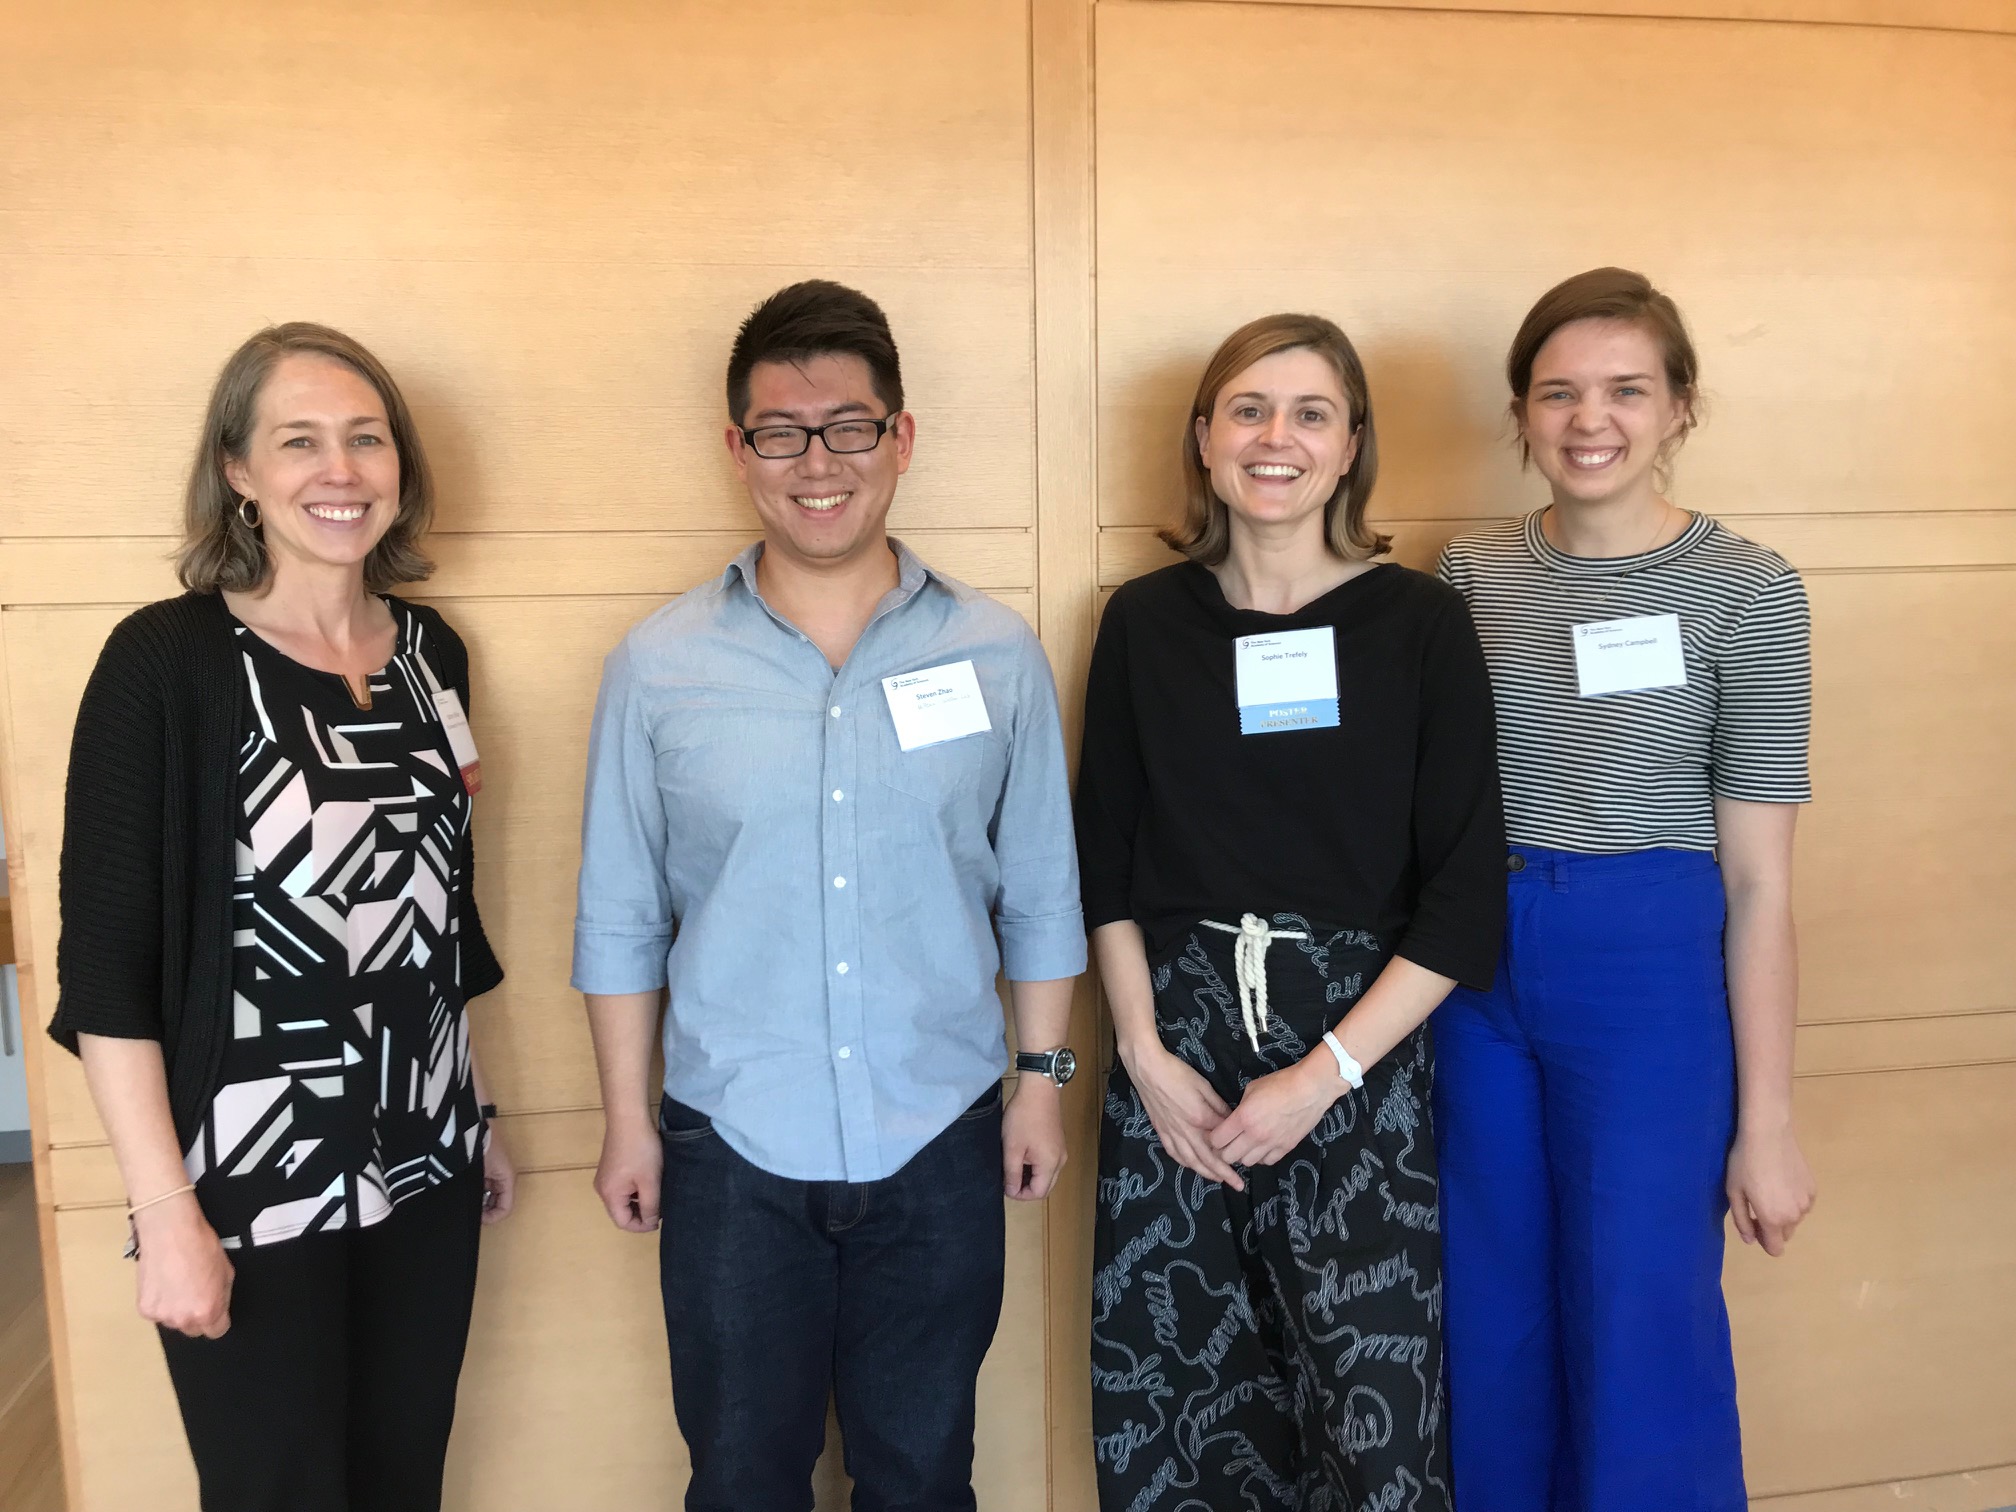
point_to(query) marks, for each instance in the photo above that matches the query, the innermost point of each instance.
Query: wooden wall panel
(1841, 264)
(548, 223)
(1939, 15)
(1421, 174)
(1879, 1348)
(549, 220)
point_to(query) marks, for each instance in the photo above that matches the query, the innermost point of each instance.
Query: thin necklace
(1665, 511)
(1600, 586)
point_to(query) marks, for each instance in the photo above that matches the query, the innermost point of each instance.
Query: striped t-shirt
(1632, 770)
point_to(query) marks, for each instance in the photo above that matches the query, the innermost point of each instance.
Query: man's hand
(628, 1177)
(1032, 1138)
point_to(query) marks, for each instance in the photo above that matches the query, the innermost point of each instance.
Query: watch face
(1066, 1065)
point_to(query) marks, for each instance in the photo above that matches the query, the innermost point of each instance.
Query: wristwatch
(1059, 1065)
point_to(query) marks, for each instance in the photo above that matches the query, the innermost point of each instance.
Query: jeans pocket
(988, 1102)
(679, 1124)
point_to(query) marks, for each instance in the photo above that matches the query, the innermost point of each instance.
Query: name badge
(460, 742)
(936, 705)
(1626, 655)
(1286, 681)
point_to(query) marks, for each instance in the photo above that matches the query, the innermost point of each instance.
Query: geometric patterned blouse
(346, 1084)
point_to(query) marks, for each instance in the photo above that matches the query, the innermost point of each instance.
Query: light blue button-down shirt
(825, 906)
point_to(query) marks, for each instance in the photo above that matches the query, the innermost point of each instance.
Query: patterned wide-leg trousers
(1277, 1349)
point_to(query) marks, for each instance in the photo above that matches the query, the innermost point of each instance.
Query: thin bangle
(141, 1207)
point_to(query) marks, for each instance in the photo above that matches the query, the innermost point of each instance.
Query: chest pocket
(726, 760)
(958, 779)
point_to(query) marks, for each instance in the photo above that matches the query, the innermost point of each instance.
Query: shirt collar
(912, 572)
(1557, 561)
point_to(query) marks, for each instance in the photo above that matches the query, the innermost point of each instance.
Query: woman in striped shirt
(1629, 1075)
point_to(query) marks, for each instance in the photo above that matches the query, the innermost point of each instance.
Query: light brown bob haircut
(1205, 534)
(219, 550)
(1609, 294)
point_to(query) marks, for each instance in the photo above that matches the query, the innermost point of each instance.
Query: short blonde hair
(219, 550)
(1205, 533)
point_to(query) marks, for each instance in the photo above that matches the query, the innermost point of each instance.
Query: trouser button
(1515, 863)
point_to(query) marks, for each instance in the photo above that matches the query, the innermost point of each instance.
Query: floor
(31, 1472)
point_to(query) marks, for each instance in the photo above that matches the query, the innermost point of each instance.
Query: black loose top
(1389, 821)
(149, 843)
(345, 1086)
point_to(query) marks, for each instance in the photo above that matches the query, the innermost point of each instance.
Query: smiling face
(321, 463)
(1600, 411)
(1279, 439)
(821, 509)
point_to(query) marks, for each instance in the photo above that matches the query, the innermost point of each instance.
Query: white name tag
(460, 742)
(1286, 681)
(936, 705)
(1622, 656)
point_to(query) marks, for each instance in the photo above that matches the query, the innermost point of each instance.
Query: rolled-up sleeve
(1036, 912)
(623, 921)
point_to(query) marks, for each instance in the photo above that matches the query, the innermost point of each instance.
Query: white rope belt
(1249, 964)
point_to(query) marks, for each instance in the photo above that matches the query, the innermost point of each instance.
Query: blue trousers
(883, 1295)
(1584, 1109)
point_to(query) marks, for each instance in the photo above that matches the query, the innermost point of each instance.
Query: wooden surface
(1850, 275)
(31, 1469)
(1920, 15)
(548, 222)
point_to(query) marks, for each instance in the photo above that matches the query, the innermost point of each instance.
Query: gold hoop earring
(248, 513)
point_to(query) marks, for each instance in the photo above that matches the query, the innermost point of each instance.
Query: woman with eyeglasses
(1628, 1079)
(269, 939)
(1290, 844)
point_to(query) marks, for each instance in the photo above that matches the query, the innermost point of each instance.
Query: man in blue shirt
(826, 806)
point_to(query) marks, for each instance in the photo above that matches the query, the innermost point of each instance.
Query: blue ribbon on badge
(1310, 714)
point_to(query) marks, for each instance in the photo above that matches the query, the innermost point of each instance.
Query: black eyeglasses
(776, 442)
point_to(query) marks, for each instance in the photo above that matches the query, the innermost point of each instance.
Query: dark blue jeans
(882, 1294)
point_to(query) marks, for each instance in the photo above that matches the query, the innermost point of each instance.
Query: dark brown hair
(1205, 532)
(816, 318)
(1608, 294)
(219, 550)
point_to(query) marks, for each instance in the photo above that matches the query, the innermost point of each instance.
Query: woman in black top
(1287, 745)
(269, 935)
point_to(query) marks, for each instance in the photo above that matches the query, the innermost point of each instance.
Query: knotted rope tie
(1249, 965)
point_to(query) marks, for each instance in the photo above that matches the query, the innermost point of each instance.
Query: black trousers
(334, 1389)
(1277, 1349)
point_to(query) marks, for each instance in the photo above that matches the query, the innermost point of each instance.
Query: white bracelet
(1349, 1069)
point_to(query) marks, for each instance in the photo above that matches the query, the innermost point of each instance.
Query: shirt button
(841, 968)
(1515, 863)
(838, 795)
(845, 1052)
(834, 711)
(839, 881)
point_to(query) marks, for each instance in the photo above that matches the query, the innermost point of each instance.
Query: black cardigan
(148, 843)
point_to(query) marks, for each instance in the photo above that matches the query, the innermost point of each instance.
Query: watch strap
(1347, 1064)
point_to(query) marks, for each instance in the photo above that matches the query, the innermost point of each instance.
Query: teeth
(1593, 458)
(1273, 470)
(820, 502)
(337, 511)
